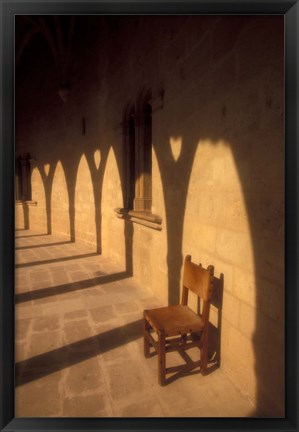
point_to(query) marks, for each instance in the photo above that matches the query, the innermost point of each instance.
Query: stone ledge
(143, 218)
(29, 203)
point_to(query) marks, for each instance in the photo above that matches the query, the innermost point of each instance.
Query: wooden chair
(177, 328)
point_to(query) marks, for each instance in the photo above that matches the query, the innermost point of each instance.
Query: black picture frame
(8, 10)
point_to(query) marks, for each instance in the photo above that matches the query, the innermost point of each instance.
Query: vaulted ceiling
(57, 32)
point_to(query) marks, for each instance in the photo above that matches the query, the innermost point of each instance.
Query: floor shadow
(176, 191)
(69, 287)
(69, 355)
(55, 260)
(43, 245)
(189, 368)
(32, 235)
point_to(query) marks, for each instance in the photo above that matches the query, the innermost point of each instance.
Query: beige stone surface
(60, 202)
(32, 399)
(85, 406)
(78, 361)
(217, 183)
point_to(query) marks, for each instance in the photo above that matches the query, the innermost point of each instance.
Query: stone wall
(217, 166)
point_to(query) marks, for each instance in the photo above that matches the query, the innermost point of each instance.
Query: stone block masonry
(217, 167)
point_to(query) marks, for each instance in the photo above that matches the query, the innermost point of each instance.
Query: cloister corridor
(79, 345)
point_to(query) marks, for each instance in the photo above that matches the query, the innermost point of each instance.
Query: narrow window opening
(23, 178)
(132, 176)
(147, 156)
(143, 190)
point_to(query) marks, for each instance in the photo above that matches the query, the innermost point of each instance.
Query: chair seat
(177, 319)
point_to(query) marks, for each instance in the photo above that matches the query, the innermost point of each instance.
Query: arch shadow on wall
(181, 169)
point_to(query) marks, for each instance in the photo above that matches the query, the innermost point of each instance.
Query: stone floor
(79, 342)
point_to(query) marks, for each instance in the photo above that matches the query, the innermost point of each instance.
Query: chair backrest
(198, 280)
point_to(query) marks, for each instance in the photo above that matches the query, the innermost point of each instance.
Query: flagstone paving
(79, 342)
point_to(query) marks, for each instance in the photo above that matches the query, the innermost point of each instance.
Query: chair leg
(204, 358)
(146, 342)
(161, 359)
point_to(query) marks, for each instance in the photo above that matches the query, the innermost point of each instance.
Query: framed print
(149, 215)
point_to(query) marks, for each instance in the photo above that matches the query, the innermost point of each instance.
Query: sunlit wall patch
(60, 217)
(97, 158)
(47, 169)
(176, 147)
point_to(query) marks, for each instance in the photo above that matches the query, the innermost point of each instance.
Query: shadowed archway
(203, 118)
